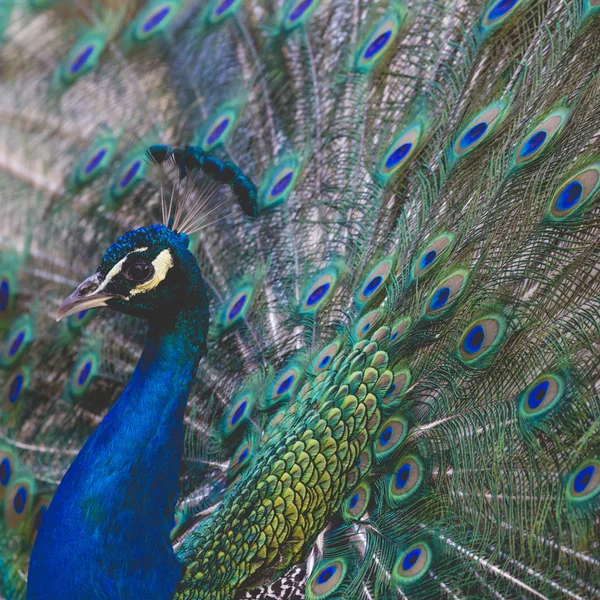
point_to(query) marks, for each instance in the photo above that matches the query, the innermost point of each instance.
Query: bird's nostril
(88, 288)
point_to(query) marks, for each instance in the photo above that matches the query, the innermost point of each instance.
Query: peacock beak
(88, 295)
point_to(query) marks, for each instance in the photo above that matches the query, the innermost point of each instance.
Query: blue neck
(107, 529)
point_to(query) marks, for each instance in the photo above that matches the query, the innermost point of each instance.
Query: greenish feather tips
(575, 193)
(20, 335)
(380, 39)
(82, 57)
(284, 385)
(479, 128)
(366, 324)
(400, 329)
(297, 12)
(324, 358)
(279, 181)
(482, 339)
(357, 502)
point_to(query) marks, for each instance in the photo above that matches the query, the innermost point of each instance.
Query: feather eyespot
(391, 434)
(538, 139)
(218, 10)
(239, 412)
(279, 182)
(323, 359)
(378, 42)
(357, 502)
(284, 385)
(575, 193)
(478, 129)
(432, 255)
(14, 389)
(401, 150)
(19, 337)
(498, 11)
(406, 479)
(9, 466)
(367, 323)
(130, 173)
(413, 564)
(298, 12)
(237, 307)
(83, 374)
(18, 501)
(374, 281)
(153, 19)
(319, 291)
(218, 129)
(5, 294)
(584, 483)
(481, 338)
(442, 298)
(82, 57)
(395, 392)
(326, 579)
(543, 395)
(240, 459)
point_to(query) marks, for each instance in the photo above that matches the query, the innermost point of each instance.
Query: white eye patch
(117, 269)
(162, 263)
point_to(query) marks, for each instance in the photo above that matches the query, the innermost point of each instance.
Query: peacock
(349, 256)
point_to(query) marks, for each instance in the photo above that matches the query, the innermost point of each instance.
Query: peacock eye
(139, 272)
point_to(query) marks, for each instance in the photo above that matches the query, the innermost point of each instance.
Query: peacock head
(148, 273)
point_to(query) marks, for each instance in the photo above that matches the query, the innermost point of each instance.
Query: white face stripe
(162, 263)
(116, 270)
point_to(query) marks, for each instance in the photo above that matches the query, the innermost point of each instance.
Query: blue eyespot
(473, 135)
(318, 294)
(14, 390)
(299, 10)
(474, 340)
(398, 155)
(5, 471)
(353, 501)
(239, 412)
(326, 574)
(428, 259)
(243, 455)
(570, 196)
(4, 295)
(221, 8)
(84, 373)
(386, 436)
(372, 285)
(500, 9)
(533, 143)
(537, 394)
(392, 388)
(237, 307)
(131, 173)
(440, 298)
(81, 314)
(285, 385)
(16, 343)
(366, 327)
(324, 362)
(95, 161)
(20, 500)
(583, 478)
(81, 59)
(156, 19)
(217, 132)
(376, 45)
(410, 560)
(402, 475)
(282, 184)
